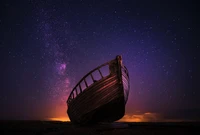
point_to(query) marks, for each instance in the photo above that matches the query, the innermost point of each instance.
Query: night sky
(46, 47)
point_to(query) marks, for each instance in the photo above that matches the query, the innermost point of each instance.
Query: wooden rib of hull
(103, 101)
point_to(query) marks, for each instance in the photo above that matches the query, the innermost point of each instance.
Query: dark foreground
(66, 128)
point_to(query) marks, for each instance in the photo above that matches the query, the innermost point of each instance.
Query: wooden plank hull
(103, 101)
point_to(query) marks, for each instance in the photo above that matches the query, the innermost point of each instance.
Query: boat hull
(103, 101)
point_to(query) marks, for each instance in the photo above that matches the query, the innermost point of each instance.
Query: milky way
(58, 81)
(53, 38)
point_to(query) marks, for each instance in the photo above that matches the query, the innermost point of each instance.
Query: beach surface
(117, 128)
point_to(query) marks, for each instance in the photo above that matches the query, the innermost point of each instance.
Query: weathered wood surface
(107, 95)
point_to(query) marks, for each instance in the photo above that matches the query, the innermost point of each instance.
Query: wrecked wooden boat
(102, 99)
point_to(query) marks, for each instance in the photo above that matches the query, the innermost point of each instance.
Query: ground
(66, 128)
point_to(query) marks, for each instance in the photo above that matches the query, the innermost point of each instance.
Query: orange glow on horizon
(63, 119)
(145, 117)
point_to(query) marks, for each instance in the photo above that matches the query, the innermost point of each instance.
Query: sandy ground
(67, 128)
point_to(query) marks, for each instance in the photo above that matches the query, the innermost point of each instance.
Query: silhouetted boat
(103, 100)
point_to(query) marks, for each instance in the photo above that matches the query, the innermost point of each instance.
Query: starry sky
(47, 46)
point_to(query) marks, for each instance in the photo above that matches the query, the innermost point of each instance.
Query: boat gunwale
(90, 73)
(83, 78)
